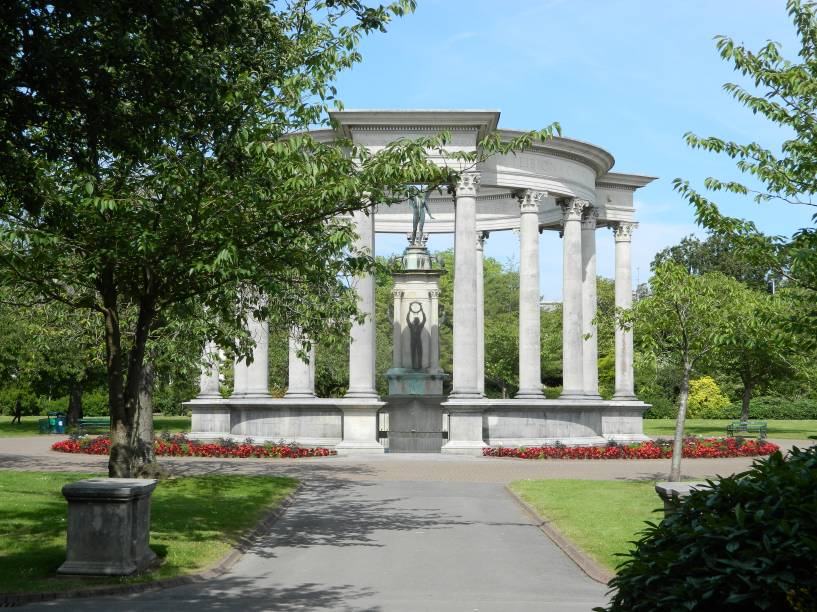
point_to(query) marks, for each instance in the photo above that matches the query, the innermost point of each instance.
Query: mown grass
(782, 429)
(28, 426)
(194, 522)
(601, 517)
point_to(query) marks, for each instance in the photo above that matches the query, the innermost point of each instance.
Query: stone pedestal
(108, 526)
(415, 424)
(359, 427)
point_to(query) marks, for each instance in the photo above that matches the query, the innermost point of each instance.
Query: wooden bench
(94, 424)
(758, 427)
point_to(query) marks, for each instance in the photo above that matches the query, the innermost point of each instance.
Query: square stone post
(108, 526)
(480, 302)
(590, 348)
(465, 289)
(625, 382)
(572, 376)
(530, 347)
(362, 348)
(301, 381)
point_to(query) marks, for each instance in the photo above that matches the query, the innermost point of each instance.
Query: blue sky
(631, 76)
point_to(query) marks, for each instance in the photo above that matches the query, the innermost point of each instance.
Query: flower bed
(660, 449)
(179, 446)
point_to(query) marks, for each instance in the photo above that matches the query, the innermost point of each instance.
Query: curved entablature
(563, 168)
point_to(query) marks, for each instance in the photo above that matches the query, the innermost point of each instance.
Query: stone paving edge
(11, 600)
(592, 568)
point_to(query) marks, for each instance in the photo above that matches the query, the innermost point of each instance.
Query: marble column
(625, 387)
(301, 374)
(572, 376)
(480, 302)
(434, 322)
(465, 289)
(530, 347)
(257, 372)
(362, 348)
(397, 328)
(590, 347)
(209, 382)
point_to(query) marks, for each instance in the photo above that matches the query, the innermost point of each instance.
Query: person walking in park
(18, 411)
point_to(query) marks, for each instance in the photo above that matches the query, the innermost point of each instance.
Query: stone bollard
(673, 493)
(108, 526)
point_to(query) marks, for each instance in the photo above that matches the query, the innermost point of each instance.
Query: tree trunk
(74, 403)
(678, 442)
(747, 395)
(143, 438)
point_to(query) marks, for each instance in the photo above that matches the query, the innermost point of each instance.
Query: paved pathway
(388, 533)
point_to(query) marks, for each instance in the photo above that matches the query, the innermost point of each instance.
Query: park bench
(94, 425)
(758, 427)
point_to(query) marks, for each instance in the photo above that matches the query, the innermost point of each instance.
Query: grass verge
(194, 522)
(599, 516)
(781, 429)
(28, 426)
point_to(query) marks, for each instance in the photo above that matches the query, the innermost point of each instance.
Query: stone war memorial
(563, 185)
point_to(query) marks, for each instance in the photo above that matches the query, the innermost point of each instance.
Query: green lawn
(601, 517)
(194, 521)
(789, 430)
(28, 427)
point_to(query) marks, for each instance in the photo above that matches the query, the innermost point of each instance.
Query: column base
(592, 396)
(208, 396)
(465, 395)
(299, 395)
(365, 394)
(573, 395)
(529, 394)
(625, 397)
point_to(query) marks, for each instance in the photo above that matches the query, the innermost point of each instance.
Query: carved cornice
(529, 200)
(622, 232)
(591, 214)
(467, 185)
(572, 209)
(614, 187)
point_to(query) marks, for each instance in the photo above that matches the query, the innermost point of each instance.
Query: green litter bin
(42, 424)
(59, 428)
(56, 422)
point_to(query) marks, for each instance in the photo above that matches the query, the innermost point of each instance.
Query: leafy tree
(782, 91)
(715, 254)
(754, 343)
(144, 166)
(681, 320)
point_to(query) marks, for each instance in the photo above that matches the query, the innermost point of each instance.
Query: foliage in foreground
(179, 446)
(660, 449)
(748, 543)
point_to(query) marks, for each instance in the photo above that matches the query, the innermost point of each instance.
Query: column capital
(467, 184)
(622, 232)
(481, 237)
(591, 214)
(529, 200)
(573, 208)
(397, 293)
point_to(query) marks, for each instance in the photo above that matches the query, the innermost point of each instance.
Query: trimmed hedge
(747, 543)
(765, 408)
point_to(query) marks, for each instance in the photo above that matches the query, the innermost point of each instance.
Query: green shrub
(28, 401)
(660, 408)
(748, 543)
(779, 408)
(705, 399)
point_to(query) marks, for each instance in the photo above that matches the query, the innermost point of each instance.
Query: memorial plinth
(108, 526)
